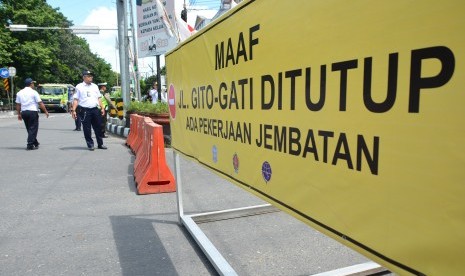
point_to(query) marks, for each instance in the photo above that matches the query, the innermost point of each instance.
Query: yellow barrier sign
(349, 115)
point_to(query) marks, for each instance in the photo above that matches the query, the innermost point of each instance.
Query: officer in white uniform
(87, 104)
(27, 100)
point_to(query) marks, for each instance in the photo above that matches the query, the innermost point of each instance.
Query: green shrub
(147, 107)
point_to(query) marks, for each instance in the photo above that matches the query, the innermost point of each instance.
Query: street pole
(116, 60)
(136, 61)
(12, 73)
(121, 10)
(158, 78)
(7, 94)
(12, 91)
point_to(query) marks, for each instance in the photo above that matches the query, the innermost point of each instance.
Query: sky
(102, 13)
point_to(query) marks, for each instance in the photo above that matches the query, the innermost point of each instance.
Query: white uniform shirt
(87, 95)
(28, 98)
(154, 94)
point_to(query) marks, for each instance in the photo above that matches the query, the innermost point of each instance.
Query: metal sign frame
(214, 256)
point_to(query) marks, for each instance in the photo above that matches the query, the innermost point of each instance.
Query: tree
(143, 87)
(46, 55)
(7, 43)
(149, 82)
(146, 84)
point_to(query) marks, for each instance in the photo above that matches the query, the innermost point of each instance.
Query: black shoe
(75, 129)
(102, 147)
(30, 147)
(36, 145)
(78, 129)
(91, 148)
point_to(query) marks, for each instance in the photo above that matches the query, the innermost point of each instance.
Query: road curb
(118, 127)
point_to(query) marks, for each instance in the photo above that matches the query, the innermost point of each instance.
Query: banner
(348, 115)
(155, 32)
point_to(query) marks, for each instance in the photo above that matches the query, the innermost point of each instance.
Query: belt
(88, 108)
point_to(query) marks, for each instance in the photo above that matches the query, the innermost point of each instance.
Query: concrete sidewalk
(69, 211)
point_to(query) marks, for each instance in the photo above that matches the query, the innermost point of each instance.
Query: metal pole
(116, 58)
(158, 78)
(177, 175)
(12, 92)
(121, 8)
(136, 61)
(8, 96)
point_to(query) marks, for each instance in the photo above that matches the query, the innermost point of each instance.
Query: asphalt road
(69, 211)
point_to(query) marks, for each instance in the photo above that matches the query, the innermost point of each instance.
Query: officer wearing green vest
(107, 104)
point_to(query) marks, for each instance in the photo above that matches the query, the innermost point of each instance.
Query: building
(201, 20)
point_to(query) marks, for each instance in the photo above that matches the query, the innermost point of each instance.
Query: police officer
(154, 93)
(87, 104)
(77, 120)
(106, 101)
(27, 100)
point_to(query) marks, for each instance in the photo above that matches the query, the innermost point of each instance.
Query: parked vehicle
(115, 89)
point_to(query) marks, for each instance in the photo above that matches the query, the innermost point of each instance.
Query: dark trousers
(104, 122)
(77, 122)
(91, 118)
(31, 121)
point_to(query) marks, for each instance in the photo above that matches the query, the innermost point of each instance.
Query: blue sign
(4, 73)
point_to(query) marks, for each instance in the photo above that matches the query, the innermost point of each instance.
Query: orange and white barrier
(133, 130)
(141, 162)
(140, 130)
(151, 173)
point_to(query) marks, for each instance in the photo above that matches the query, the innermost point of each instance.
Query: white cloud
(103, 44)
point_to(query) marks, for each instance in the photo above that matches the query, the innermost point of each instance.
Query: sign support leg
(215, 257)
